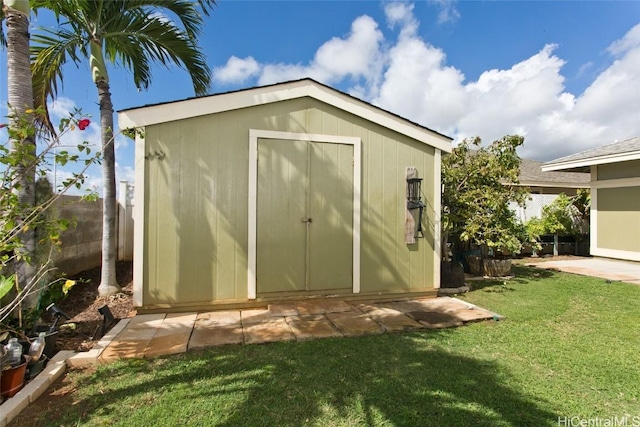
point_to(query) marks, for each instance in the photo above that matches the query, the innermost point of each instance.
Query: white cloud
(356, 56)
(416, 75)
(407, 75)
(630, 41)
(401, 15)
(236, 70)
(448, 10)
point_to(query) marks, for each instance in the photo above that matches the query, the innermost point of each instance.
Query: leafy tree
(565, 216)
(133, 34)
(479, 183)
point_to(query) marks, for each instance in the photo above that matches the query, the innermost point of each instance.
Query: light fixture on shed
(414, 201)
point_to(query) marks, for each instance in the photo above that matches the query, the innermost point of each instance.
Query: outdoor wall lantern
(414, 201)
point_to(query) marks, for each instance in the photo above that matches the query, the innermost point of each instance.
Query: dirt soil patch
(82, 303)
(80, 333)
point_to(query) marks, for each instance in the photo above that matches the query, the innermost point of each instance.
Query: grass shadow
(521, 275)
(391, 379)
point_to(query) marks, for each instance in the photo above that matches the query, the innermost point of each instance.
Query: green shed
(288, 191)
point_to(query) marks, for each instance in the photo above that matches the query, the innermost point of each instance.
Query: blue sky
(565, 74)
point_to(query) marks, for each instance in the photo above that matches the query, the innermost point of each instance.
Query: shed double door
(304, 216)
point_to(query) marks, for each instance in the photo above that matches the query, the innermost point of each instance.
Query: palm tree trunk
(108, 283)
(20, 97)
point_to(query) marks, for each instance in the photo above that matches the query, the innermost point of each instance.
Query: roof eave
(547, 184)
(590, 161)
(194, 107)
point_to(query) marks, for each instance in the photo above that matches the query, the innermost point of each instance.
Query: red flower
(3, 125)
(83, 124)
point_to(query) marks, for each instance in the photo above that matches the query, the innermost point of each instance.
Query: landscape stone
(308, 329)
(219, 318)
(255, 316)
(204, 336)
(283, 309)
(275, 330)
(354, 324)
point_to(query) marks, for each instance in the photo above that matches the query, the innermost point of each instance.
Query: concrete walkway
(610, 269)
(152, 335)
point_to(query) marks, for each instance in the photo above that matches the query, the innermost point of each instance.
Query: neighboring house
(544, 187)
(615, 196)
(291, 190)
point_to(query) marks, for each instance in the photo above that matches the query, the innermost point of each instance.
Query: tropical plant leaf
(6, 284)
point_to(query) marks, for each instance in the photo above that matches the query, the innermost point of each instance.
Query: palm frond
(133, 33)
(50, 51)
(3, 41)
(135, 39)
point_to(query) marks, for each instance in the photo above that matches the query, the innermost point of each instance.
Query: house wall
(615, 213)
(539, 197)
(619, 218)
(196, 202)
(620, 170)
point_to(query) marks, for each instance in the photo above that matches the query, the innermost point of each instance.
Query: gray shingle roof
(531, 172)
(617, 148)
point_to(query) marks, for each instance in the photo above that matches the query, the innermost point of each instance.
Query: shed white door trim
(254, 135)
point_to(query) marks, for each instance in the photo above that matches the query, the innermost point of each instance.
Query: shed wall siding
(196, 202)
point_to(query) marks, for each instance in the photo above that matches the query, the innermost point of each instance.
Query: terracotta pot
(12, 379)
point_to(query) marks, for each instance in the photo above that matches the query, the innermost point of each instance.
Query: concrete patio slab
(219, 318)
(147, 320)
(435, 319)
(409, 306)
(366, 307)
(323, 306)
(204, 336)
(124, 349)
(608, 269)
(308, 328)
(180, 318)
(137, 333)
(159, 334)
(255, 316)
(472, 315)
(312, 317)
(172, 335)
(167, 344)
(275, 330)
(393, 320)
(283, 309)
(353, 324)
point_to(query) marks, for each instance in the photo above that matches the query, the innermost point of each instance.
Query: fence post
(125, 221)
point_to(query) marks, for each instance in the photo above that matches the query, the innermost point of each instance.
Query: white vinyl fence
(125, 221)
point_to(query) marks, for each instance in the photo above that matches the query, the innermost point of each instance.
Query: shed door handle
(306, 220)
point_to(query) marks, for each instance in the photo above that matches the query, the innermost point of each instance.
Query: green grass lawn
(569, 347)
